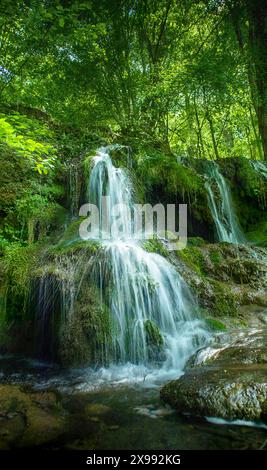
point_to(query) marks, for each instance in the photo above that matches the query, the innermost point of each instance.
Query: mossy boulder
(229, 393)
(228, 379)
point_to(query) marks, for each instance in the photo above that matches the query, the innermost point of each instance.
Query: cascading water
(221, 207)
(147, 295)
(260, 167)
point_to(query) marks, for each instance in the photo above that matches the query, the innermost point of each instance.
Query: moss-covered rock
(168, 181)
(229, 393)
(155, 341)
(155, 246)
(224, 276)
(86, 335)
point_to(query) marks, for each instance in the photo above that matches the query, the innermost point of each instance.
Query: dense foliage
(187, 74)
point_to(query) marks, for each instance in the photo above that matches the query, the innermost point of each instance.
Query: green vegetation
(187, 76)
(85, 337)
(193, 258)
(167, 85)
(155, 246)
(215, 325)
(153, 334)
(19, 132)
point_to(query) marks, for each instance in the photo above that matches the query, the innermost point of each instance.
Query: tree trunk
(257, 16)
(254, 36)
(212, 133)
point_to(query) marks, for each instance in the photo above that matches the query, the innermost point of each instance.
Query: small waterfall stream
(221, 207)
(148, 296)
(260, 167)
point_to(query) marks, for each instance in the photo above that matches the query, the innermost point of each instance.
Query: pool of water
(124, 410)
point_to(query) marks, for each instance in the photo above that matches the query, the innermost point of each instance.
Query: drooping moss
(18, 265)
(249, 190)
(121, 155)
(251, 183)
(87, 163)
(153, 334)
(155, 341)
(16, 316)
(85, 337)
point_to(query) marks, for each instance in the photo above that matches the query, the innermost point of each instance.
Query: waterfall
(221, 207)
(147, 297)
(260, 168)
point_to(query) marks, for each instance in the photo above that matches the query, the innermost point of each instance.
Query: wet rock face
(243, 347)
(225, 277)
(228, 382)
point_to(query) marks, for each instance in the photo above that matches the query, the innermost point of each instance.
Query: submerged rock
(230, 382)
(97, 409)
(29, 418)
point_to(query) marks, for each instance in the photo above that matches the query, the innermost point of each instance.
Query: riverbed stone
(233, 393)
(96, 409)
(29, 418)
(228, 382)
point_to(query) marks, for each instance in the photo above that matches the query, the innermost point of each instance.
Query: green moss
(193, 258)
(195, 241)
(250, 181)
(121, 155)
(71, 232)
(74, 246)
(18, 265)
(153, 334)
(249, 190)
(86, 337)
(157, 168)
(259, 235)
(215, 257)
(225, 302)
(87, 162)
(71, 241)
(154, 245)
(214, 324)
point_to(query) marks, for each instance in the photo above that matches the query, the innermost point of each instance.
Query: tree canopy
(188, 75)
